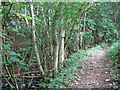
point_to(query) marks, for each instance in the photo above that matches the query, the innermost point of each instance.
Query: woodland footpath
(60, 45)
(95, 72)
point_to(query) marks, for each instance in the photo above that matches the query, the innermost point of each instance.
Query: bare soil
(96, 73)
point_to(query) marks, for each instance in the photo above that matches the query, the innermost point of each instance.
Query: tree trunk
(34, 40)
(0, 45)
(55, 39)
(81, 40)
(27, 23)
(61, 57)
(84, 43)
(56, 50)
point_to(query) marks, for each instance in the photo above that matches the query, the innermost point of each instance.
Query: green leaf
(11, 53)
(14, 59)
(41, 3)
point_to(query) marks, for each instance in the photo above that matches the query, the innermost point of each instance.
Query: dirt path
(95, 72)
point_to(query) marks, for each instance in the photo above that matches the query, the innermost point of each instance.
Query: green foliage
(13, 59)
(113, 51)
(96, 22)
(114, 54)
(67, 75)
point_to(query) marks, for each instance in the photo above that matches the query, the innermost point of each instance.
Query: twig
(31, 76)
(30, 82)
(7, 81)
(23, 74)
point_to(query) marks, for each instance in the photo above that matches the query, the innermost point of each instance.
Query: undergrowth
(66, 77)
(114, 59)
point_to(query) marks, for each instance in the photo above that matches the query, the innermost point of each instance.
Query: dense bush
(114, 55)
(68, 73)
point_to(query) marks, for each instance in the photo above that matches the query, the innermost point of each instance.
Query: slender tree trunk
(61, 59)
(81, 40)
(84, 28)
(0, 45)
(51, 39)
(34, 40)
(55, 45)
(56, 49)
(55, 39)
(0, 34)
(77, 38)
(27, 23)
(62, 47)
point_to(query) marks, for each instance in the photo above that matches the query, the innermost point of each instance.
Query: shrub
(114, 55)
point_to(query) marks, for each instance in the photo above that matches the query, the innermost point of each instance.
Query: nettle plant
(14, 60)
(114, 55)
(12, 65)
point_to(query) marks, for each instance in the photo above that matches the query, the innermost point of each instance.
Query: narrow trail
(95, 73)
